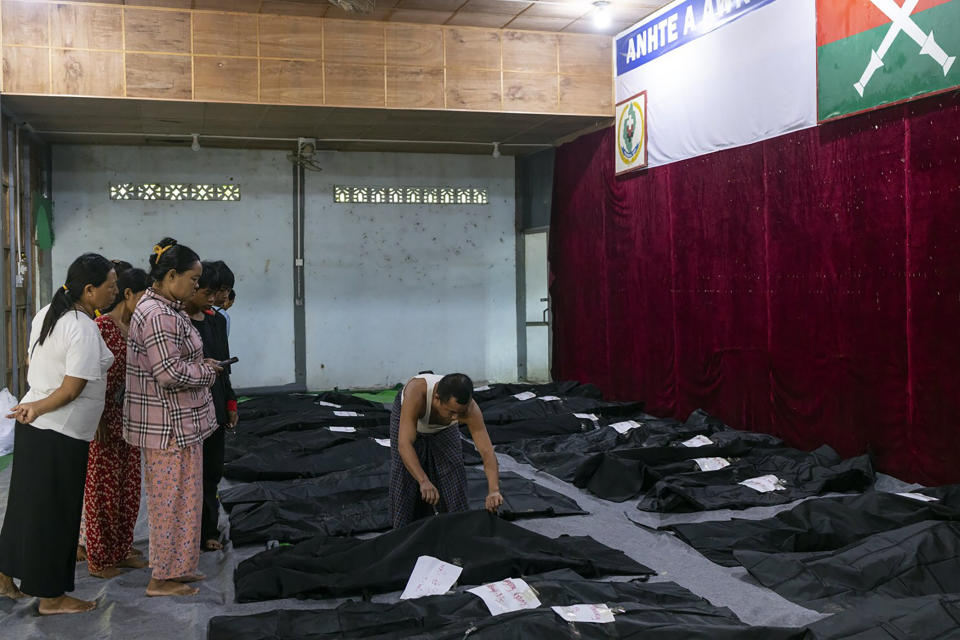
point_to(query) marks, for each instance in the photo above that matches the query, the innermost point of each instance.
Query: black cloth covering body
(821, 524)
(660, 610)
(919, 559)
(293, 511)
(486, 546)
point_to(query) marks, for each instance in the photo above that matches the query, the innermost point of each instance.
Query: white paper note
(347, 414)
(343, 429)
(918, 496)
(585, 613)
(430, 577)
(485, 387)
(764, 484)
(383, 442)
(587, 416)
(526, 395)
(623, 427)
(550, 398)
(321, 403)
(712, 464)
(512, 594)
(697, 441)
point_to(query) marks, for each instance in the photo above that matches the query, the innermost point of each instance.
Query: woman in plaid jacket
(168, 411)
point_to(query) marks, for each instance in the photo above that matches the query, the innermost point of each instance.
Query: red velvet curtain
(806, 286)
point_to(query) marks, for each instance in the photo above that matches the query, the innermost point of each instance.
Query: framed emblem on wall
(631, 141)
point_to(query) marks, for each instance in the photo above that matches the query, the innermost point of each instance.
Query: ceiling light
(196, 142)
(601, 14)
(496, 150)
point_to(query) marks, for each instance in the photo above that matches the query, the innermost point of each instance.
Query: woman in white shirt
(56, 420)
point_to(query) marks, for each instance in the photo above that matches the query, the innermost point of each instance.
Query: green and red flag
(872, 53)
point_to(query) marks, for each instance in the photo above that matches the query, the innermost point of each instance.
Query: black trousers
(212, 473)
(38, 543)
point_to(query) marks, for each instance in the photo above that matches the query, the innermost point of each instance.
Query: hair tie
(157, 249)
(65, 288)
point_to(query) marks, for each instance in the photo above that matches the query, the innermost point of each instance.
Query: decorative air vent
(409, 195)
(175, 191)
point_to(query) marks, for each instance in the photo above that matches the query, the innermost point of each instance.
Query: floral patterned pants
(173, 479)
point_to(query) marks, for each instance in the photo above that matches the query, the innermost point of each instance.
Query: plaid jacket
(168, 384)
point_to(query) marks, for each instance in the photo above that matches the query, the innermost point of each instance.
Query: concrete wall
(254, 236)
(390, 290)
(396, 289)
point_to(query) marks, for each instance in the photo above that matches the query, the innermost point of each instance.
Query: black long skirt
(38, 543)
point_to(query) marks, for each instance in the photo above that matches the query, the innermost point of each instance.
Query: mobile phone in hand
(224, 363)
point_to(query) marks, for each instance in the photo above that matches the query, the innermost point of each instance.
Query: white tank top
(423, 424)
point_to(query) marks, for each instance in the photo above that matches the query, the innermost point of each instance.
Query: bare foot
(106, 573)
(133, 562)
(212, 545)
(81, 554)
(8, 589)
(190, 577)
(64, 604)
(169, 588)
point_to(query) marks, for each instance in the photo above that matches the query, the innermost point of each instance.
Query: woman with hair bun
(112, 495)
(167, 412)
(56, 420)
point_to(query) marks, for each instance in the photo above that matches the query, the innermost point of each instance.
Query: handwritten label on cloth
(585, 613)
(587, 416)
(383, 442)
(697, 441)
(430, 577)
(512, 594)
(485, 387)
(321, 403)
(343, 429)
(347, 414)
(764, 484)
(550, 398)
(526, 395)
(623, 427)
(711, 464)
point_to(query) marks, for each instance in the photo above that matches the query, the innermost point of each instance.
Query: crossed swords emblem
(901, 21)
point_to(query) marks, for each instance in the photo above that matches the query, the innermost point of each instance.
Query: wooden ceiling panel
(530, 52)
(290, 8)
(538, 23)
(494, 6)
(291, 37)
(490, 20)
(26, 70)
(380, 14)
(160, 31)
(26, 23)
(560, 9)
(150, 75)
(414, 45)
(86, 27)
(472, 49)
(243, 6)
(224, 34)
(360, 44)
(417, 16)
(165, 4)
(430, 5)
